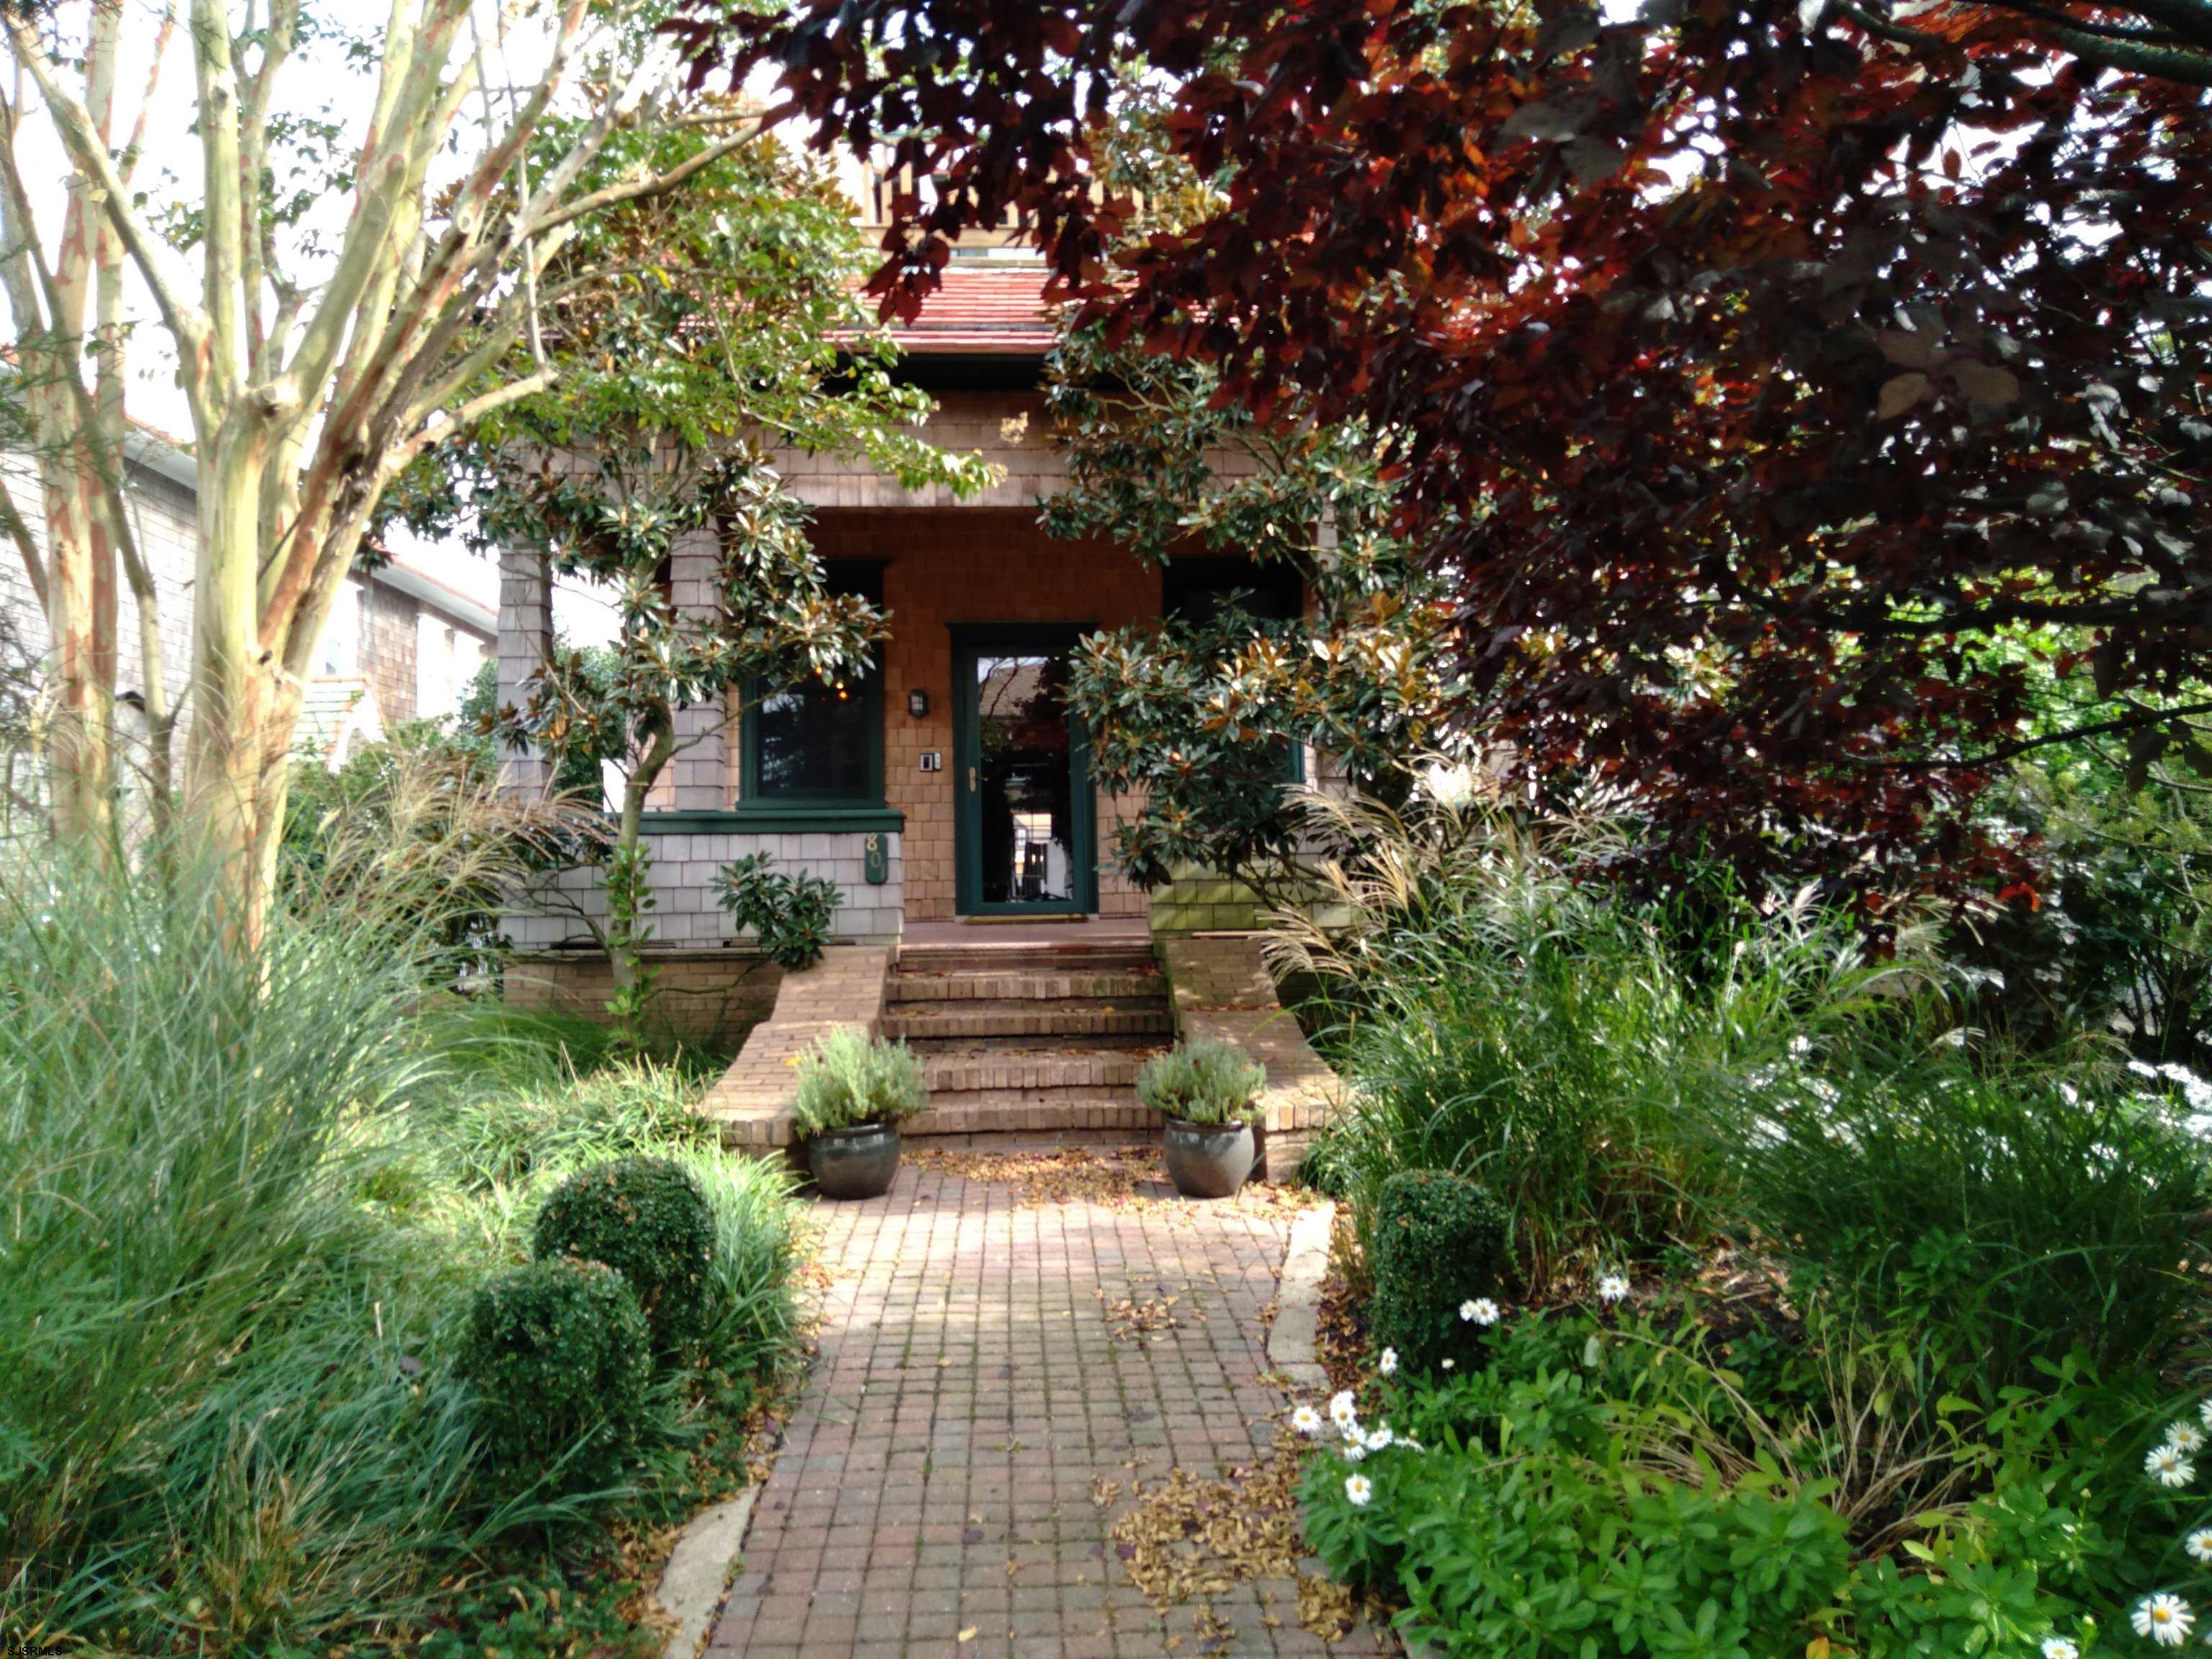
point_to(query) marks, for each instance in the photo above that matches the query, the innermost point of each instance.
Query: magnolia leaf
(1900, 394)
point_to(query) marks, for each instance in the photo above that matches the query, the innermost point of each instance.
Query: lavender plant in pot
(854, 1090)
(1209, 1092)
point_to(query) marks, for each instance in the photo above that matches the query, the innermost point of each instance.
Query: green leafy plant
(1501, 1014)
(646, 1218)
(558, 1354)
(1439, 1244)
(1606, 1484)
(1208, 1081)
(2005, 1211)
(850, 1078)
(789, 914)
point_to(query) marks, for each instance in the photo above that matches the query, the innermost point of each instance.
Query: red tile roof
(983, 308)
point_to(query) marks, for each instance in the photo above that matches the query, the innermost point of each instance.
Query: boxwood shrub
(646, 1218)
(559, 1356)
(1439, 1240)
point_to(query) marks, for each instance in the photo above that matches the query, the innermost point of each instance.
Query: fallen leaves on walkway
(1114, 1178)
(1189, 1539)
(1128, 1316)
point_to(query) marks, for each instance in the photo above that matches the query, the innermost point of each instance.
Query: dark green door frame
(971, 640)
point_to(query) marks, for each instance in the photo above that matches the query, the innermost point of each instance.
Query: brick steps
(1035, 1115)
(1034, 1045)
(1040, 1068)
(1006, 982)
(1019, 1017)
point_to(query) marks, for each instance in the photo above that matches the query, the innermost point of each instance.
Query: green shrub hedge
(1440, 1240)
(646, 1218)
(558, 1353)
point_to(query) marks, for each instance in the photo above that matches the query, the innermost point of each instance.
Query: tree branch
(2142, 720)
(187, 322)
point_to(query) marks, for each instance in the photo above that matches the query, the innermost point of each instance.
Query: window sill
(787, 820)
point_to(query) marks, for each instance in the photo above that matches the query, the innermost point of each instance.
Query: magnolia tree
(1753, 371)
(1203, 716)
(319, 351)
(685, 331)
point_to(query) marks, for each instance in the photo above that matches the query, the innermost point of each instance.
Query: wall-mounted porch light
(917, 704)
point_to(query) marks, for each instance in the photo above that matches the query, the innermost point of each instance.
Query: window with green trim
(820, 743)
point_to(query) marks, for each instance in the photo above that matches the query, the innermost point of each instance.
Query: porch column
(525, 645)
(698, 776)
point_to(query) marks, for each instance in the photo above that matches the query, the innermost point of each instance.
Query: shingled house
(947, 795)
(950, 786)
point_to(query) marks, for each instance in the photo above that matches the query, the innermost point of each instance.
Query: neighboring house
(951, 784)
(402, 643)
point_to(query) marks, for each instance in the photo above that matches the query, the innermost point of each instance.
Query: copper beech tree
(319, 351)
(1755, 371)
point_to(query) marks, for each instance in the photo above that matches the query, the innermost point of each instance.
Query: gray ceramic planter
(1208, 1160)
(854, 1162)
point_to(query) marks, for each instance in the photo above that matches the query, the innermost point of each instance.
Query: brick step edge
(1029, 1141)
(946, 1072)
(1084, 959)
(1021, 1114)
(1020, 987)
(921, 1023)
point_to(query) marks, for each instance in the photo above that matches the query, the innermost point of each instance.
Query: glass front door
(1024, 827)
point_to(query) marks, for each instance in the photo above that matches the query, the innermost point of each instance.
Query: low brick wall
(751, 1100)
(710, 996)
(1221, 989)
(1195, 900)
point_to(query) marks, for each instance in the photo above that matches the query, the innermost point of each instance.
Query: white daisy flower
(1480, 1311)
(1613, 1288)
(1452, 1364)
(1359, 1488)
(1306, 1421)
(2169, 1468)
(1342, 1408)
(1387, 1365)
(2204, 1414)
(2058, 1647)
(2185, 1437)
(1379, 1440)
(2165, 1618)
(2199, 1544)
(1354, 1452)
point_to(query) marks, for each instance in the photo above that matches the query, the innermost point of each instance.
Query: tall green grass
(1981, 1210)
(243, 1198)
(1630, 1075)
(1499, 1015)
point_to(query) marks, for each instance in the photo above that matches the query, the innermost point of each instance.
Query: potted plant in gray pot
(1209, 1092)
(853, 1089)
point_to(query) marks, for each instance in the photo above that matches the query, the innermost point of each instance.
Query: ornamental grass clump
(646, 1218)
(1438, 1256)
(851, 1079)
(559, 1355)
(1206, 1081)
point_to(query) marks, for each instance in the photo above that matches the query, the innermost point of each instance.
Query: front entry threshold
(1029, 920)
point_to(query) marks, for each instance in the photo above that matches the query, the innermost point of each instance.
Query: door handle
(971, 780)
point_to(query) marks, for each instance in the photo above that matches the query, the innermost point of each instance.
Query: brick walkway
(937, 1476)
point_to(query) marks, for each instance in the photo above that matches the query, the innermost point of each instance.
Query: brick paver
(937, 1476)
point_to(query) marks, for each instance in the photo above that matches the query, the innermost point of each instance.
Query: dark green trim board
(778, 820)
(970, 640)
